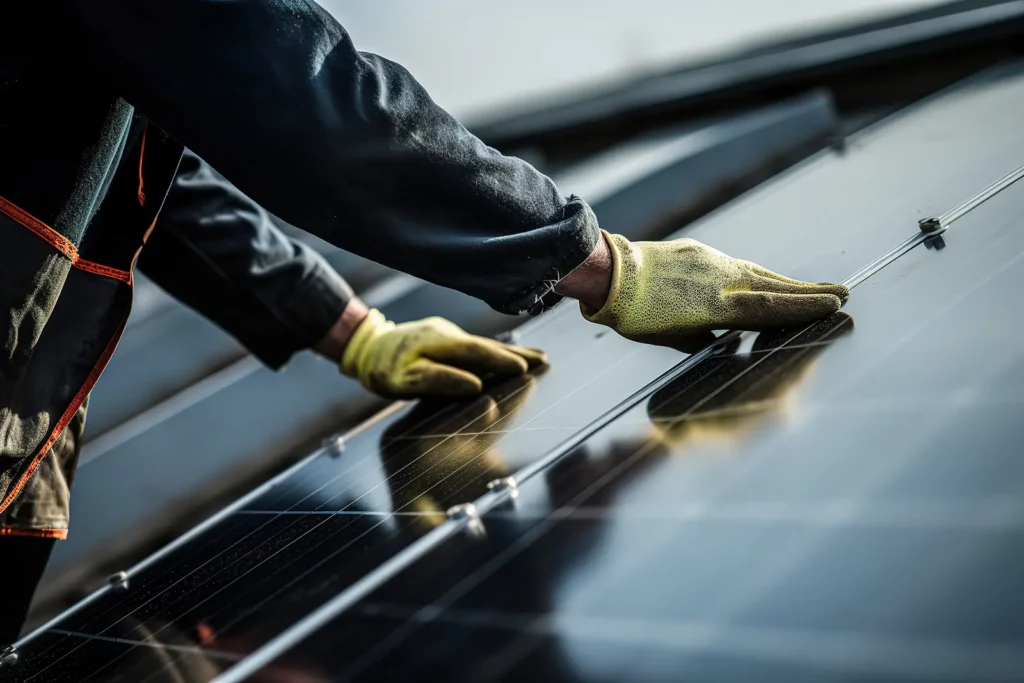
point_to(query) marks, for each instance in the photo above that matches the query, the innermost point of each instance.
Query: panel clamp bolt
(929, 225)
(505, 484)
(334, 445)
(8, 657)
(467, 512)
(118, 581)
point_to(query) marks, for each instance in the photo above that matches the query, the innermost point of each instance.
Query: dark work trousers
(22, 561)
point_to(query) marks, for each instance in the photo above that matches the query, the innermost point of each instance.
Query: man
(343, 144)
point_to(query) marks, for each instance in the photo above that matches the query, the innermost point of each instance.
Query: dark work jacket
(222, 254)
(341, 143)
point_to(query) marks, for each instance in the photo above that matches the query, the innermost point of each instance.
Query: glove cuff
(622, 256)
(359, 345)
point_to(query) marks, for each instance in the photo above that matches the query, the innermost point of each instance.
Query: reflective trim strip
(124, 276)
(27, 220)
(61, 243)
(59, 534)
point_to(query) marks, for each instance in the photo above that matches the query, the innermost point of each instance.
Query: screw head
(334, 445)
(8, 657)
(462, 511)
(118, 580)
(928, 225)
(505, 484)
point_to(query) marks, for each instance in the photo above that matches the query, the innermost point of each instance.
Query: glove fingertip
(461, 388)
(841, 291)
(533, 357)
(510, 363)
(819, 305)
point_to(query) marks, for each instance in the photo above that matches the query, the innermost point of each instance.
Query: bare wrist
(592, 279)
(333, 344)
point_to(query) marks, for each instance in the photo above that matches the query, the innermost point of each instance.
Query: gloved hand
(674, 293)
(428, 358)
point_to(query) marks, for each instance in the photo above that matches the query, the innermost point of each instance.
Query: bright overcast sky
(477, 56)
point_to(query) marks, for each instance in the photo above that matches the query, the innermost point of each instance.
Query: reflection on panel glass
(427, 473)
(746, 384)
(567, 588)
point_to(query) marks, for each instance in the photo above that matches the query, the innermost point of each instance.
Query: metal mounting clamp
(334, 445)
(118, 581)
(505, 484)
(8, 657)
(462, 511)
(467, 512)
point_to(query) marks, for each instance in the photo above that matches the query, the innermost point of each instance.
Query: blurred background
(488, 60)
(708, 99)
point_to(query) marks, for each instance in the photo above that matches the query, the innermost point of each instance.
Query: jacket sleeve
(341, 143)
(220, 253)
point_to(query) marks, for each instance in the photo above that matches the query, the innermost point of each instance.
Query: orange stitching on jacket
(142, 153)
(61, 243)
(59, 534)
(99, 269)
(27, 220)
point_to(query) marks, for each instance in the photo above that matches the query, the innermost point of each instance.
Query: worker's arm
(219, 252)
(347, 145)
(341, 143)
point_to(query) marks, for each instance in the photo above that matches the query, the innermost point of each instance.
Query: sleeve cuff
(308, 315)
(578, 234)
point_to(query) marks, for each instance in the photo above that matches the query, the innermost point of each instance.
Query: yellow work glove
(428, 358)
(674, 293)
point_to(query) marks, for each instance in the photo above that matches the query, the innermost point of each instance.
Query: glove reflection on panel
(674, 293)
(428, 472)
(739, 391)
(429, 358)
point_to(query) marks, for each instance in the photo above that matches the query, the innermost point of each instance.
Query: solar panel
(841, 502)
(797, 505)
(819, 435)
